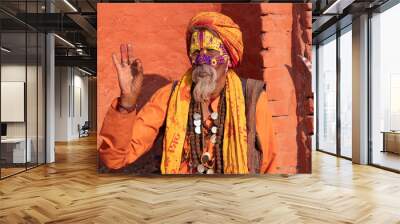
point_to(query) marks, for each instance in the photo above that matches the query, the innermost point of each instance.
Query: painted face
(205, 48)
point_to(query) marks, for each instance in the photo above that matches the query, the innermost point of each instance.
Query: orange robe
(126, 136)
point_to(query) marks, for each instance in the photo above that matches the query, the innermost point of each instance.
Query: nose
(202, 58)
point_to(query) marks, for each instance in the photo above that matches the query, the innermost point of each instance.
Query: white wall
(71, 93)
(13, 73)
(61, 103)
(33, 127)
(80, 102)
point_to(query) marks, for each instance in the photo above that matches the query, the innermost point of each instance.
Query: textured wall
(286, 33)
(273, 35)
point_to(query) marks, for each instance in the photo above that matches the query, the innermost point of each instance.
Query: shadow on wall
(301, 39)
(151, 83)
(150, 162)
(251, 67)
(250, 24)
(272, 57)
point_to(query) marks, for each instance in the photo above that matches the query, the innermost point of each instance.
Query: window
(385, 89)
(327, 95)
(346, 92)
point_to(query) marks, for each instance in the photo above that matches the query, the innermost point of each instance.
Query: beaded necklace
(199, 160)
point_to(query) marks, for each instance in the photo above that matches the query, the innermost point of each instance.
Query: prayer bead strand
(197, 142)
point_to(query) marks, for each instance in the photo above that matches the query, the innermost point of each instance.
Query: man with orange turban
(212, 121)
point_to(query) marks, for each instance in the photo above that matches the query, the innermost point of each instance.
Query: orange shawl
(235, 135)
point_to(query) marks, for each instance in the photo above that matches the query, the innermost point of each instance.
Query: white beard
(204, 85)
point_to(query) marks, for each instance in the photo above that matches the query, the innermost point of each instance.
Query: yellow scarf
(235, 135)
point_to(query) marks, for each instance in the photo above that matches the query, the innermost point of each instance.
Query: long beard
(205, 78)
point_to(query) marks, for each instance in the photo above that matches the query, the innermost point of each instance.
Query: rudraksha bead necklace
(201, 160)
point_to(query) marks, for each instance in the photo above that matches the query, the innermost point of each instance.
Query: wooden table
(13, 150)
(391, 141)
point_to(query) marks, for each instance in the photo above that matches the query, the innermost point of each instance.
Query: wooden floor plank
(71, 191)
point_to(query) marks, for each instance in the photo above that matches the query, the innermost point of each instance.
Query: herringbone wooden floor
(71, 191)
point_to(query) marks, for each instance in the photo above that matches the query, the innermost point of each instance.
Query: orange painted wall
(273, 35)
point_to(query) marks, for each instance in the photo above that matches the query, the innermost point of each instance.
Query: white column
(360, 90)
(50, 93)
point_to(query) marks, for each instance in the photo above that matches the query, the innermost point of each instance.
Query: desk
(13, 150)
(391, 141)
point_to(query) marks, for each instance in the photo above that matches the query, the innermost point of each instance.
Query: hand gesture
(130, 76)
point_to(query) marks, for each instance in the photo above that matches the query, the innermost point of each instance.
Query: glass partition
(22, 88)
(14, 154)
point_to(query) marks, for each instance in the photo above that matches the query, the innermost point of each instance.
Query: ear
(229, 64)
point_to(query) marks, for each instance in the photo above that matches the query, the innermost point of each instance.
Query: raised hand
(130, 76)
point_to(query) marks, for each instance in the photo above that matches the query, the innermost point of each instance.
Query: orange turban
(228, 31)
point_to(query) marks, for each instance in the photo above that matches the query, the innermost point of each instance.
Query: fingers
(127, 59)
(116, 62)
(131, 59)
(139, 66)
(124, 54)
